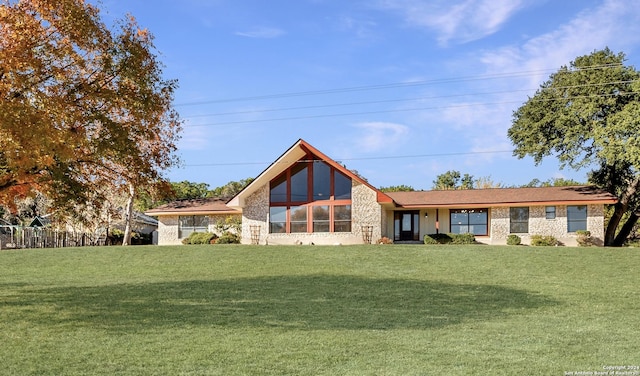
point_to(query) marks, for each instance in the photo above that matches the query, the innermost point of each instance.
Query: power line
(398, 110)
(388, 86)
(246, 112)
(356, 159)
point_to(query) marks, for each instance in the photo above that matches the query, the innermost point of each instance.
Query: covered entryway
(406, 225)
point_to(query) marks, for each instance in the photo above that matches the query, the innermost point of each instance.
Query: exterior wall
(438, 220)
(365, 211)
(256, 213)
(540, 225)
(168, 228)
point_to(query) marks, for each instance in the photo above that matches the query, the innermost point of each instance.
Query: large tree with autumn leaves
(82, 106)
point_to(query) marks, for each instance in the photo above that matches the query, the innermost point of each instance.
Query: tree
(397, 188)
(555, 182)
(453, 180)
(587, 114)
(230, 189)
(486, 182)
(81, 107)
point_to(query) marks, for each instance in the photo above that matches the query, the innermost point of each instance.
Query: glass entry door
(406, 225)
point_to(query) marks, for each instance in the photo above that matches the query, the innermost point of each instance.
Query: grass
(349, 310)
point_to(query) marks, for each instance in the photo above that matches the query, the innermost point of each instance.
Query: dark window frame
(550, 212)
(185, 229)
(518, 225)
(578, 223)
(468, 221)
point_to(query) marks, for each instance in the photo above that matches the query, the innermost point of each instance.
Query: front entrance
(406, 225)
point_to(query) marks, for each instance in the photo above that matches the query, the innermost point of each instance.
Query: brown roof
(200, 206)
(502, 197)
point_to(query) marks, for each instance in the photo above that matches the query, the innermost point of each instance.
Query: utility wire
(400, 110)
(388, 86)
(354, 159)
(247, 112)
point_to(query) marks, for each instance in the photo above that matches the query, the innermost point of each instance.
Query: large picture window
(192, 223)
(519, 220)
(576, 218)
(473, 221)
(310, 196)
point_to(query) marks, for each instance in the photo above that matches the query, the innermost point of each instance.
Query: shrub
(462, 238)
(584, 238)
(514, 239)
(228, 238)
(543, 240)
(198, 238)
(384, 240)
(437, 239)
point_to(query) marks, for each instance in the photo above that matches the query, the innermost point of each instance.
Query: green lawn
(312, 310)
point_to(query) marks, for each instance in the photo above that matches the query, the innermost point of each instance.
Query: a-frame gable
(297, 151)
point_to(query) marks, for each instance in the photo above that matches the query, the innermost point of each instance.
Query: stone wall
(365, 211)
(540, 225)
(256, 213)
(168, 228)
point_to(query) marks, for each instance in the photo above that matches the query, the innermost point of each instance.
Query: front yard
(311, 310)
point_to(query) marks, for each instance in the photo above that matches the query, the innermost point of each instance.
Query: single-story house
(305, 197)
(178, 219)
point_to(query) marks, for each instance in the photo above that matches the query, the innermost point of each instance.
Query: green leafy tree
(555, 182)
(397, 188)
(453, 180)
(587, 114)
(230, 189)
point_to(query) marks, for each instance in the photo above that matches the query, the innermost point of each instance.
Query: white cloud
(262, 32)
(194, 138)
(616, 23)
(484, 125)
(361, 27)
(377, 136)
(460, 21)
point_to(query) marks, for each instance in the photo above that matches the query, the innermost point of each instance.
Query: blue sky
(399, 90)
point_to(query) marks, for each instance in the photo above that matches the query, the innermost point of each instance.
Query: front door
(406, 225)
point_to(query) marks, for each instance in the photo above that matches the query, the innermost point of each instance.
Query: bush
(543, 240)
(228, 238)
(584, 238)
(514, 240)
(463, 238)
(199, 238)
(384, 240)
(437, 239)
(449, 239)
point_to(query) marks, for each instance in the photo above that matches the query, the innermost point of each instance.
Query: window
(277, 219)
(192, 223)
(310, 196)
(298, 218)
(321, 222)
(519, 220)
(342, 218)
(576, 218)
(550, 212)
(474, 221)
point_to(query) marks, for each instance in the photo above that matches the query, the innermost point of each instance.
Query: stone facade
(169, 229)
(365, 211)
(540, 225)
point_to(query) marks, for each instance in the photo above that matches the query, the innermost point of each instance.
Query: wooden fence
(12, 237)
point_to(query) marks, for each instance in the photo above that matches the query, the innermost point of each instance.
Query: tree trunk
(614, 221)
(621, 207)
(128, 216)
(626, 230)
